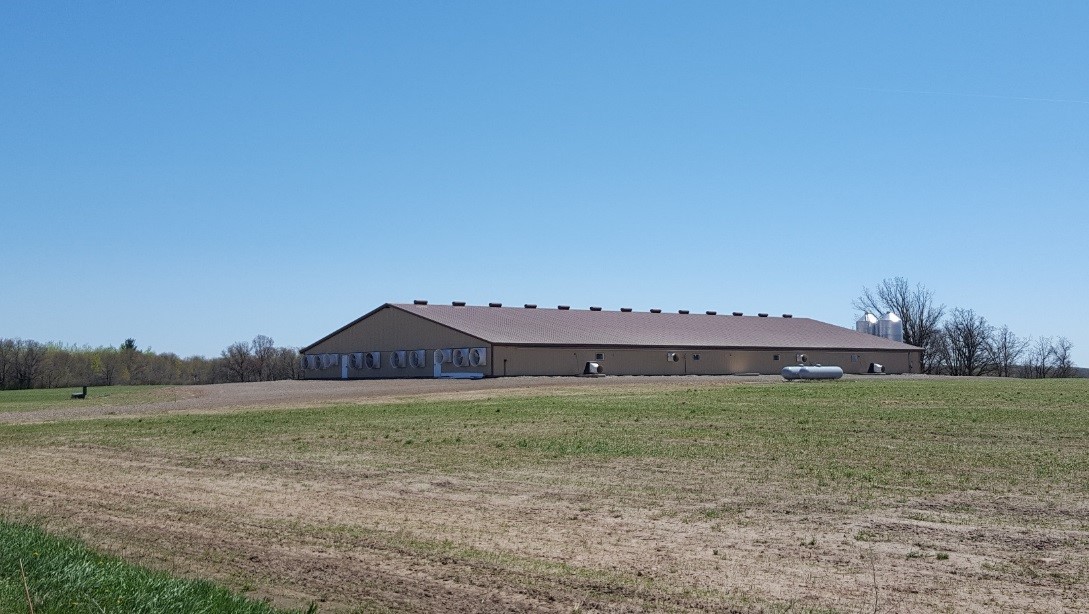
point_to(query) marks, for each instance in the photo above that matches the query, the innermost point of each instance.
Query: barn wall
(388, 330)
(391, 329)
(514, 360)
(764, 361)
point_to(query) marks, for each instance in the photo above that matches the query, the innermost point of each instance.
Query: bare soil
(569, 538)
(291, 394)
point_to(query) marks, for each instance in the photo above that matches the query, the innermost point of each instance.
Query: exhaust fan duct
(398, 359)
(461, 357)
(417, 359)
(373, 360)
(442, 356)
(478, 357)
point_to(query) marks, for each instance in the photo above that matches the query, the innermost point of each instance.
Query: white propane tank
(811, 372)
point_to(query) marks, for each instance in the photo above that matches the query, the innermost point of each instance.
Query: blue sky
(193, 174)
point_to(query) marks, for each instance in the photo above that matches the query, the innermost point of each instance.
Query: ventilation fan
(397, 359)
(478, 356)
(461, 357)
(417, 359)
(373, 360)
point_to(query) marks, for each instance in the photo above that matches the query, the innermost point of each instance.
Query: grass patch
(718, 454)
(858, 438)
(64, 576)
(97, 396)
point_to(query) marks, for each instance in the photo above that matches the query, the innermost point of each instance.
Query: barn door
(344, 366)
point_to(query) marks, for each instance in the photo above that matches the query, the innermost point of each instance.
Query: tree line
(25, 363)
(959, 341)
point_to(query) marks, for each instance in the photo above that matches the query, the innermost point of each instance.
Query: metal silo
(890, 327)
(867, 324)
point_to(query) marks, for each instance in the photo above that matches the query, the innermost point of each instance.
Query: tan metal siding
(513, 360)
(763, 361)
(389, 330)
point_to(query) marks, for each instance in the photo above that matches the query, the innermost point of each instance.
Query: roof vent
(787, 315)
(712, 313)
(762, 315)
(595, 309)
(626, 309)
(563, 307)
(495, 304)
(682, 311)
(656, 311)
(419, 302)
(458, 303)
(738, 313)
(530, 306)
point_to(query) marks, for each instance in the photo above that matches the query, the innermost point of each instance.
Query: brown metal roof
(577, 327)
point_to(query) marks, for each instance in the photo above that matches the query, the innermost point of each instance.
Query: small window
(599, 357)
(854, 357)
(695, 357)
(776, 357)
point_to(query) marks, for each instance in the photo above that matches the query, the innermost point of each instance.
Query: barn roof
(579, 327)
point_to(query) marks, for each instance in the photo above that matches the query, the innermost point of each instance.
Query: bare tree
(1006, 351)
(105, 364)
(239, 360)
(939, 354)
(131, 362)
(1062, 363)
(967, 342)
(7, 363)
(286, 364)
(264, 354)
(1038, 359)
(29, 356)
(915, 307)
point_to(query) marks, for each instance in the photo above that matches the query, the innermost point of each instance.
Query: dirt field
(364, 522)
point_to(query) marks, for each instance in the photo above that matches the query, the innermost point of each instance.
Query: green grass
(706, 454)
(859, 436)
(52, 398)
(64, 576)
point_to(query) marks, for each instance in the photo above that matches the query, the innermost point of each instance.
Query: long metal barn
(466, 341)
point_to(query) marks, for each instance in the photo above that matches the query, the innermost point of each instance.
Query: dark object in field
(80, 395)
